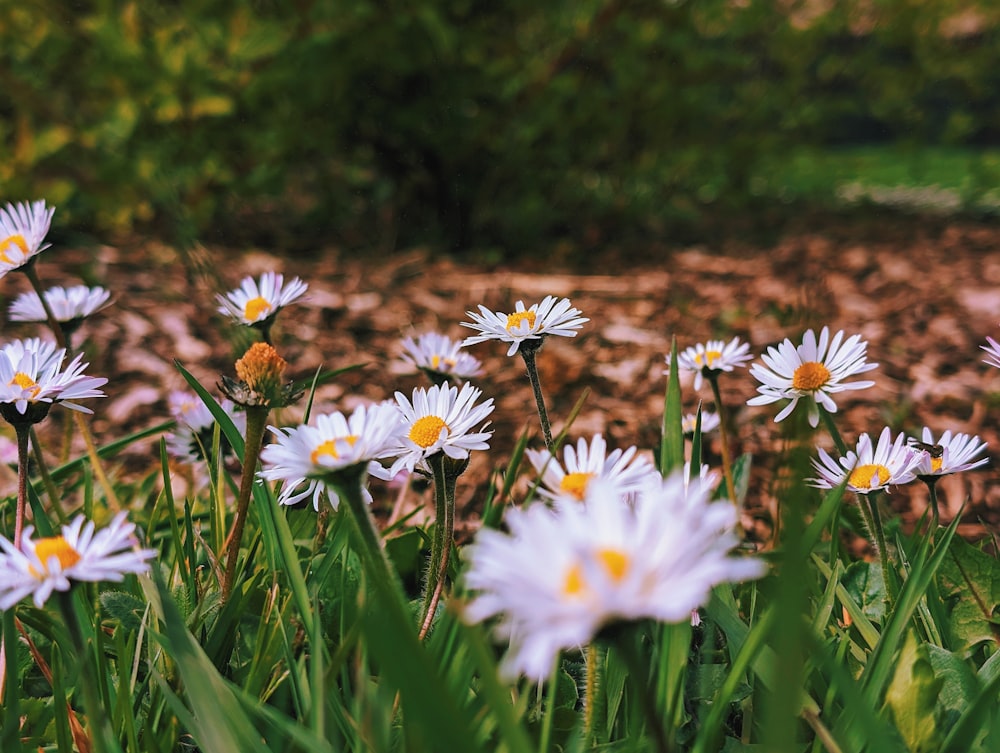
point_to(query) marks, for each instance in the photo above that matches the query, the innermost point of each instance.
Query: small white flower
(709, 421)
(950, 454)
(992, 352)
(869, 469)
(553, 316)
(565, 572)
(712, 357)
(67, 304)
(587, 464)
(304, 457)
(78, 554)
(23, 228)
(31, 372)
(192, 436)
(441, 419)
(813, 370)
(258, 301)
(439, 354)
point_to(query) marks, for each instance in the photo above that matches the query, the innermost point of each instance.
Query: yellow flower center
(575, 484)
(58, 547)
(255, 307)
(329, 448)
(17, 240)
(25, 382)
(614, 562)
(810, 376)
(867, 476)
(514, 320)
(427, 430)
(936, 464)
(707, 358)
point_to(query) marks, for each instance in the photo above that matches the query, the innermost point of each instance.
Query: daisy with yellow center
(564, 573)
(193, 435)
(32, 373)
(552, 316)
(869, 468)
(589, 463)
(78, 553)
(951, 453)
(440, 357)
(303, 458)
(23, 228)
(713, 356)
(813, 371)
(258, 301)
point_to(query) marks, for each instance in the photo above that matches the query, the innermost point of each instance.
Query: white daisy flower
(31, 372)
(868, 469)
(440, 355)
(54, 563)
(304, 457)
(949, 454)
(712, 357)
(67, 304)
(553, 316)
(257, 301)
(196, 425)
(813, 370)
(709, 421)
(23, 228)
(587, 464)
(441, 419)
(992, 352)
(565, 572)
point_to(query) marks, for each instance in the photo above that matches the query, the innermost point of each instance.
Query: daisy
(54, 563)
(709, 421)
(441, 419)
(31, 373)
(869, 469)
(587, 464)
(196, 425)
(992, 352)
(67, 304)
(256, 302)
(440, 356)
(23, 228)
(708, 359)
(563, 573)
(813, 370)
(949, 454)
(553, 316)
(304, 457)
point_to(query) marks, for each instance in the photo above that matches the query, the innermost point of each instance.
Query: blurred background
(494, 127)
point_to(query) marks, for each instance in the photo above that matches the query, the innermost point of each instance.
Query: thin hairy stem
(256, 424)
(22, 432)
(528, 354)
(727, 461)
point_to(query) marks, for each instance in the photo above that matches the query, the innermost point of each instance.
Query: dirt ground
(924, 296)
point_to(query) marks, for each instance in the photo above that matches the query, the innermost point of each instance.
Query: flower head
(195, 426)
(814, 370)
(23, 228)
(440, 357)
(441, 419)
(949, 454)
(305, 458)
(565, 572)
(553, 316)
(706, 359)
(54, 563)
(867, 468)
(258, 301)
(261, 372)
(992, 352)
(67, 304)
(709, 421)
(32, 376)
(586, 465)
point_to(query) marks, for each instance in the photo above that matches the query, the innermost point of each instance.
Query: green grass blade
(672, 440)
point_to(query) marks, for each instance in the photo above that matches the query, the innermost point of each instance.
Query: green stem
(256, 424)
(10, 737)
(54, 325)
(22, 431)
(528, 354)
(444, 534)
(626, 642)
(548, 710)
(727, 463)
(831, 427)
(43, 471)
(874, 521)
(931, 482)
(593, 685)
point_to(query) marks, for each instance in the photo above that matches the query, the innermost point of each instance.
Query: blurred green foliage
(461, 123)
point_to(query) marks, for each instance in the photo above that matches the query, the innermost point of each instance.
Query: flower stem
(626, 642)
(43, 471)
(931, 482)
(256, 423)
(10, 735)
(528, 354)
(831, 427)
(54, 325)
(593, 685)
(874, 521)
(22, 432)
(727, 463)
(444, 533)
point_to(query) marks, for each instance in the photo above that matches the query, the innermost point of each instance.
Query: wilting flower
(706, 359)
(23, 228)
(950, 454)
(992, 352)
(587, 464)
(441, 419)
(565, 572)
(256, 301)
(813, 370)
(440, 357)
(67, 304)
(31, 375)
(54, 563)
(261, 373)
(868, 469)
(553, 316)
(709, 421)
(195, 426)
(305, 458)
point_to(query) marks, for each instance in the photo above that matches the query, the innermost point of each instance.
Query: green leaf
(912, 696)
(863, 581)
(123, 607)
(970, 579)
(672, 442)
